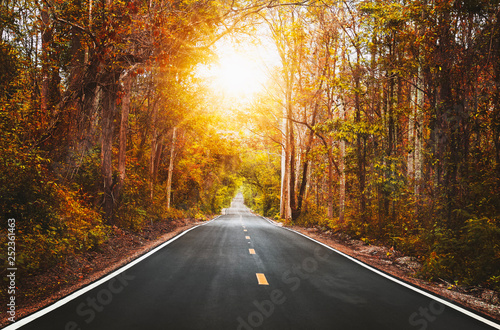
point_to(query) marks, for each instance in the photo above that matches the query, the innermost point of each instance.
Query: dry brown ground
(124, 247)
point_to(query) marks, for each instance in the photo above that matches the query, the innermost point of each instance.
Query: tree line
(384, 123)
(382, 120)
(104, 121)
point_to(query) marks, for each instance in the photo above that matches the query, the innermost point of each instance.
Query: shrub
(481, 250)
(71, 229)
(471, 257)
(312, 216)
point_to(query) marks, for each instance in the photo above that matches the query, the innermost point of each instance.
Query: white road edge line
(95, 284)
(411, 287)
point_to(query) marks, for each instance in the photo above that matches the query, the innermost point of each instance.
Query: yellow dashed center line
(244, 230)
(252, 251)
(247, 237)
(262, 279)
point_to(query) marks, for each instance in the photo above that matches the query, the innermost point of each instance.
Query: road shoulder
(404, 268)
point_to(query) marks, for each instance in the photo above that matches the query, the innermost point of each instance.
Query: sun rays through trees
(380, 119)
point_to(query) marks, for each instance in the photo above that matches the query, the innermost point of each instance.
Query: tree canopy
(380, 119)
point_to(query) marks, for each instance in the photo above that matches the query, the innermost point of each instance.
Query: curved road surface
(239, 271)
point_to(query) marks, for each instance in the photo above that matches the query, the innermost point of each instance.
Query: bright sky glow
(239, 75)
(241, 71)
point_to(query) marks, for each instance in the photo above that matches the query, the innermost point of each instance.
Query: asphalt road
(239, 271)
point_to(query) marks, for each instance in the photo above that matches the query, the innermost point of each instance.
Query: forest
(379, 119)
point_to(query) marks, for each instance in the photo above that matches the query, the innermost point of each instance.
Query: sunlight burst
(238, 75)
(241, 71)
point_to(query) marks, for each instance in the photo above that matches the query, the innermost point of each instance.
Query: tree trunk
(330, 183)
(360, 146)
(305, 170)
(107, 117)
(122, 152)
(415, 136)
(286, 182)
(45, 72)
(291, 164)
(91, 19)
(284, 196)
(342, 177)
(49, 92)
(154, 150)
(171, 167)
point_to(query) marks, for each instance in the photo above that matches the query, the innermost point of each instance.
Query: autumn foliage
(382, 120)
(91, 95)
(387, 123)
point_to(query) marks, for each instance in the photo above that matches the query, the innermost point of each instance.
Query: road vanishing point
(239, 271)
